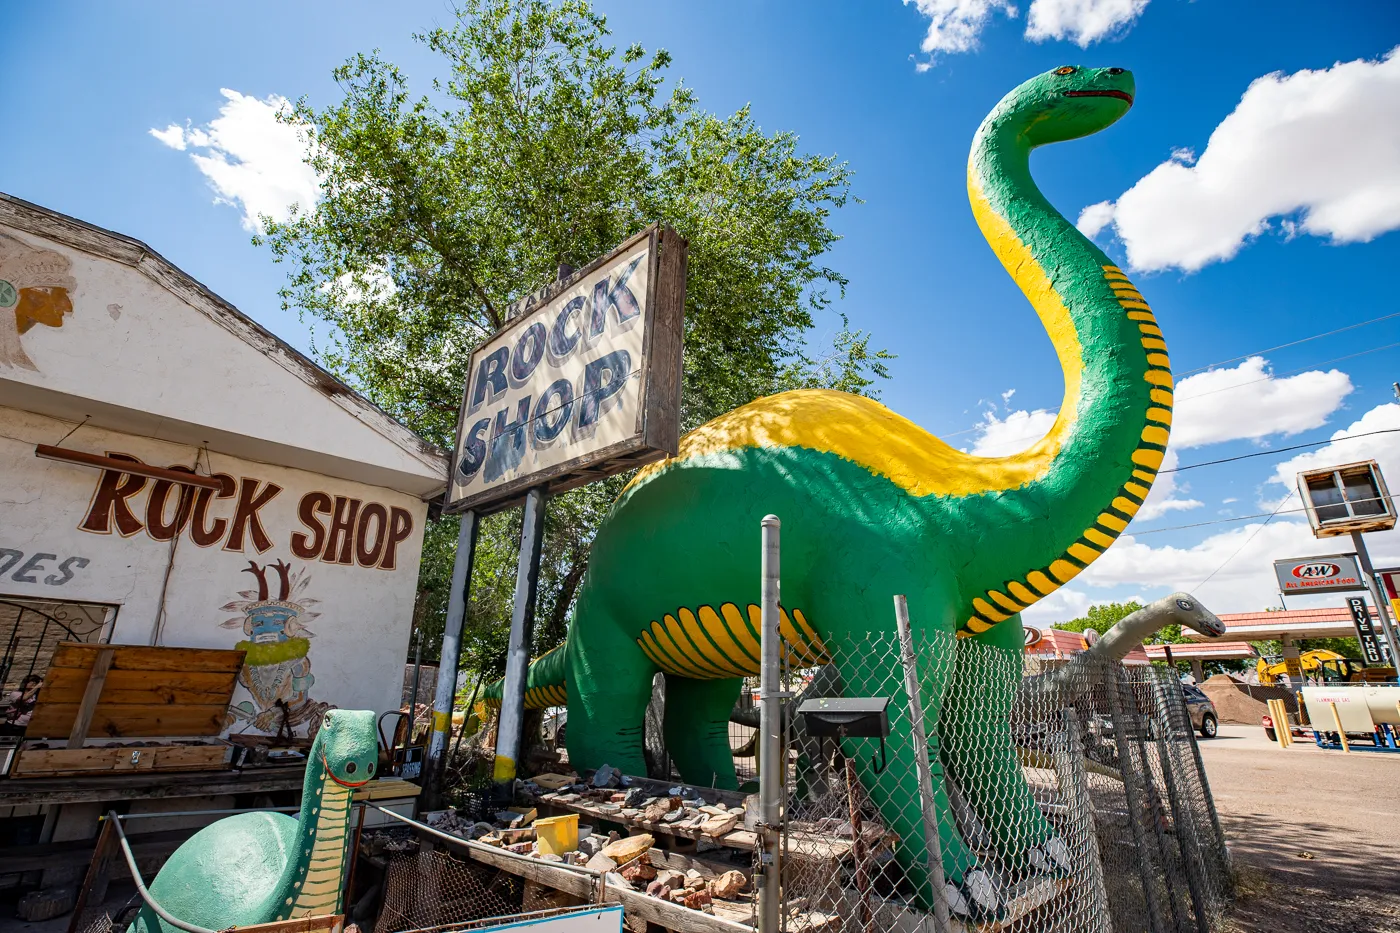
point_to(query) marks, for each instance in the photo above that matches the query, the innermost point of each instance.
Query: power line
(1246, 541)
(1279, 450)
(1294, 343)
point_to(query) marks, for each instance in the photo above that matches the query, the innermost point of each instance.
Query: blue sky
(1256, 214)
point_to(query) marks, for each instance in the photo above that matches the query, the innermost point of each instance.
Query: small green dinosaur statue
(260, 867)
(873, 505)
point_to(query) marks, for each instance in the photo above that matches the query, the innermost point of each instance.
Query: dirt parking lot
(1315, 834)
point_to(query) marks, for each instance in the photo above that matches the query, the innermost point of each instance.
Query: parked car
(1201, 710)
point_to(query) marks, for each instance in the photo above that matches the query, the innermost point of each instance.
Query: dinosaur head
(1066, 103)
(347, 745)
(1187, 610)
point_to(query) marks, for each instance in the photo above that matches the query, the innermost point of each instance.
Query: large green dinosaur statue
(872, 505)
(260, 867)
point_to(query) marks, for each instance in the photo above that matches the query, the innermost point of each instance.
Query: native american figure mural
(277, 670)
(34, 289)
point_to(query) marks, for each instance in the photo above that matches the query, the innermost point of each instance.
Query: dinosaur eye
(350, 767)
(1065, 70)
(370, 770)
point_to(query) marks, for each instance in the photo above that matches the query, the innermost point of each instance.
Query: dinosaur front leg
(697, 729)
(980, 751)
(609, 687)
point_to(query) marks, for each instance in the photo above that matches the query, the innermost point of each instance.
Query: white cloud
(1315, 152)
(1092, 219)
(1247, 401)
(954, 25)
(253, 161)
(998, 437)
(1163, 496)
(1060, 606)
(1383, 448)
(1080, 21)
(173, 136)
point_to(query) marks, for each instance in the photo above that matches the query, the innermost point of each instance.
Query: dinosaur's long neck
(1089, 475)
(311, 880)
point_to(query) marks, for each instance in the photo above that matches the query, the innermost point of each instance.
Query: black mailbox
(853, 718)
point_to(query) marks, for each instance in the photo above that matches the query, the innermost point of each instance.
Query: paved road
(1280, 805)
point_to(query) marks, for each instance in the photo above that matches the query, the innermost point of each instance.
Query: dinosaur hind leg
(697, 729)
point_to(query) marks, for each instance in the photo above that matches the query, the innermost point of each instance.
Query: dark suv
(1202, 710)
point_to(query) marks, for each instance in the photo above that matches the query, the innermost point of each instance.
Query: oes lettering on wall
(39, 567)
(339, 529)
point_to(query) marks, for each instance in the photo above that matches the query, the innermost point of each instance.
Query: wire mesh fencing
(1056, 796)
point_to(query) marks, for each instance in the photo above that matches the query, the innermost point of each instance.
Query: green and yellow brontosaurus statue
(873, 505)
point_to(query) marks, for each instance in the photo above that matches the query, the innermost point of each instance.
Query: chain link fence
(1065, 796)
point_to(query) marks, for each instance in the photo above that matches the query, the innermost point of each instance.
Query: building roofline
(108, 244)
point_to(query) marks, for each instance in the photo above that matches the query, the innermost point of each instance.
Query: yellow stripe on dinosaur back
(866, 432)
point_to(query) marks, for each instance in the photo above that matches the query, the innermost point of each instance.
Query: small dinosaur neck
(1097, 463)
(310, 883)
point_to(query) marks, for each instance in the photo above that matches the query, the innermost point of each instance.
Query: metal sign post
(1377, 594)
(448, 659)
(522, 625)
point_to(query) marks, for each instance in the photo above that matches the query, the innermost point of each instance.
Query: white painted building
(292, 525)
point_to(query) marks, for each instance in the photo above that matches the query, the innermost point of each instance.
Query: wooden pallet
(129, 691)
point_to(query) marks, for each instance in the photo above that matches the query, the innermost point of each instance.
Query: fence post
(1185, 829)
(921, 762)
(1069, 770)
(772, 770)
(1113, 682)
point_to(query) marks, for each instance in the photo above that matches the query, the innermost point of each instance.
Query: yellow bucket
(557, 834)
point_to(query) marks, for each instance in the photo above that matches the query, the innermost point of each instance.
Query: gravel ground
(1315, 834)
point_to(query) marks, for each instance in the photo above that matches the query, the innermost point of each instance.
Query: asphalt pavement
(1315, 834)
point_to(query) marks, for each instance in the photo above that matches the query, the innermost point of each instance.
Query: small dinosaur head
(1189, 612)
(347, 746)
(1066, 103)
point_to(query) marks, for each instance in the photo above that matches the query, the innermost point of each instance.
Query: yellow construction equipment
(1324, 665)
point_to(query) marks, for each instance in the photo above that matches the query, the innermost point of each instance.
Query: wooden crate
(129, 691)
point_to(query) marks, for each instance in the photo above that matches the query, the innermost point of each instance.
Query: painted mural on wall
(34, 289)
(277, 671)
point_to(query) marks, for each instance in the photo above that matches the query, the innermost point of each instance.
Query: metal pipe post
(771, 770)
(522, 624)
(932, 842)
(447, 660)
(1368, 573)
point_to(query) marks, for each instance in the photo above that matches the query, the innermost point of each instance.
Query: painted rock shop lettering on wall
(338, 529)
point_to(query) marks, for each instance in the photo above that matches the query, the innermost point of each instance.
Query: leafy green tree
(1101, 618)
(543, 145)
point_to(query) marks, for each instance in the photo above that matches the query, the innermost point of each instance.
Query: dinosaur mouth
(1121, 95)
(330, 772)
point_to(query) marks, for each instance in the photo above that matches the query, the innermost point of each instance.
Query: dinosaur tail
(544, 685)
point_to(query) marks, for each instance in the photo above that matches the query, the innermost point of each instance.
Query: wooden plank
(77, 761)
(387, 789)
(137, 688)
(578, 884)
(101, 663)
(325, 922)
(101, 787)
(112, 464)
(116, 722)
(147, 658)
(75, 852)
